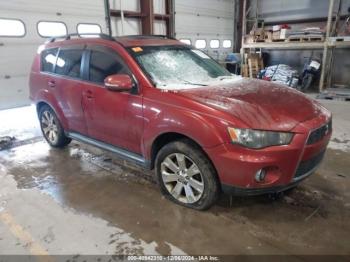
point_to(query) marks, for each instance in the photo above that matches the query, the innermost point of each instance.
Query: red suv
(168, 106)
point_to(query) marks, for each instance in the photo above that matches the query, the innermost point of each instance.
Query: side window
(12, 27)
(226, 44)
(89, 29)
(215, 43)
(48, 59)
(201, 43)
(51, 28)
(68, 62)
(105, 63)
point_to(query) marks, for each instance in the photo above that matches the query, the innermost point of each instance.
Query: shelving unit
(326, 46)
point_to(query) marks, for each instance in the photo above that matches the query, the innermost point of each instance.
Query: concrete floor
(82, 200)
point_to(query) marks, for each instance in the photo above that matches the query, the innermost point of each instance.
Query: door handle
(88, 94)
(51, 83)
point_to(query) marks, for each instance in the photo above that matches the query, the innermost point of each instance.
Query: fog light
(260, 175)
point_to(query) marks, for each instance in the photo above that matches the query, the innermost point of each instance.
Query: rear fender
(43, 96)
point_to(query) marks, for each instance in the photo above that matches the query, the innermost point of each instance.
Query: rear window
(69, 62)
(48, 59)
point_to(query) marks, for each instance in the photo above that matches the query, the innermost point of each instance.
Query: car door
(111, 117)
(68, 86)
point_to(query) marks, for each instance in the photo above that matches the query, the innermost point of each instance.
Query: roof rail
(146, 36)
(68, 36)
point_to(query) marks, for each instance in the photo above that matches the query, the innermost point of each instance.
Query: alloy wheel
(49, 126)
(182, 178)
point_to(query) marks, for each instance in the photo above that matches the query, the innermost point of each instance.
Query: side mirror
(118, 82)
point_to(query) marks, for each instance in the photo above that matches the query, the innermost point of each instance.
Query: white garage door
(207, 24)
(17, 52)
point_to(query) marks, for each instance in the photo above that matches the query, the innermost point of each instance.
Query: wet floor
(82, 200)
(314, 218)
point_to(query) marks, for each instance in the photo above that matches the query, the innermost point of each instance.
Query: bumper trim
(239, 191)
(299, 178)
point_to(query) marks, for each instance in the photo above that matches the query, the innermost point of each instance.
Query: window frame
(223, 41)
(82, 65)
(50, 21)
(41, 61)
(80, 23)
(206, 44)
(83, 58)
(214, 40)
(15, 36)
(103, 49)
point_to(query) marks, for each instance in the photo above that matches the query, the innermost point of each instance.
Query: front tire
(51, 128)
(186, 176)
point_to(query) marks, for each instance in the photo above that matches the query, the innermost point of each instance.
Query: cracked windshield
(178, 67)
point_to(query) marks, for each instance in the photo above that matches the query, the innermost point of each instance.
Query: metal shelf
(286, 45)
(343, 44)
(296, 45)
(326, 46)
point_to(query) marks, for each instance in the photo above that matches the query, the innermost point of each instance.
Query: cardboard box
(276, 28)
(268, 36)
(276, 35)
(284, 33)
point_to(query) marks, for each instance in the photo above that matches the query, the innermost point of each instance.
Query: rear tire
(186, 176)
(51, 128)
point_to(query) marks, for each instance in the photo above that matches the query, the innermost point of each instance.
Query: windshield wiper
(190, 83)
(225, 77)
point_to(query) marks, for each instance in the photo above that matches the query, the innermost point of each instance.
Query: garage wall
(133, 26)
(16, 54)
(208, 20)
(130, 26)
(194, 19)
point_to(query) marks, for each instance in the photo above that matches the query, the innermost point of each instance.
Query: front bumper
(285, 166)
(237, 191)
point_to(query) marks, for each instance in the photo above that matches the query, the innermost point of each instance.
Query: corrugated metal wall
(272, 10)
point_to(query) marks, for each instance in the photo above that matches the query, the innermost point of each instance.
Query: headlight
(259, 139)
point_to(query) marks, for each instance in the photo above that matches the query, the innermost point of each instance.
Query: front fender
(204, 130)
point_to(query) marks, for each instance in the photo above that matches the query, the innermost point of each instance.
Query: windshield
(178, 66)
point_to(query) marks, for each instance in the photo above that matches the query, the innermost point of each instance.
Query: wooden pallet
(305, 38)
(340, 39)
(278, 40)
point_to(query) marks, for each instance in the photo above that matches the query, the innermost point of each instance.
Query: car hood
(259, 104)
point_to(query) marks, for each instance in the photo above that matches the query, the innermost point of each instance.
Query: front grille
(307, 165)
(319, 133)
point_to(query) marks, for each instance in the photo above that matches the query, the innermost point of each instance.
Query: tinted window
(48, 59)
(68, 63)
(103, 64)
